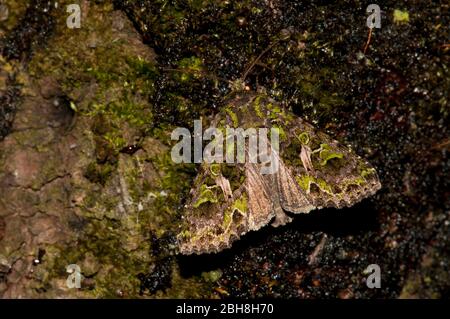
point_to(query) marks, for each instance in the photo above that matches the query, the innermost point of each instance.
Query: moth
(315, 171)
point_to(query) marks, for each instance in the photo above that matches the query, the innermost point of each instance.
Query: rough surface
(85, 171)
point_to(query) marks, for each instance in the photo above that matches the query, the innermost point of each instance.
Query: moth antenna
(258, 58)
(215, 77)
(193, 72)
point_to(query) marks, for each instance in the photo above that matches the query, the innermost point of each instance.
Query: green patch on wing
(304, 138)
(338, 190)
(257, 107)
(281, 132)
(306, 181)
(326, 154)
(214, 168)
(206, 195)
(233, 117)
(239, 206)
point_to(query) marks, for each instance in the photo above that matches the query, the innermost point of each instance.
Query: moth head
(239, 85)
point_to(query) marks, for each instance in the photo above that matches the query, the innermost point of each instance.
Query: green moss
(121, 265)
(193, 67)
(175, 183)
(16, 11)
(118, 80)
(400, 16)
(98, 173)
(73, 106)
(212, 276)
(318, 102)
(115, 140)
(192, 288)
(112, 86)
(142, 68)
(104, 151)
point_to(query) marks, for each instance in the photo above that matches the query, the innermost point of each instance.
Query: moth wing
(262, 203)
(315, 170)
(326, 172)
(292, 198)
(213, 220)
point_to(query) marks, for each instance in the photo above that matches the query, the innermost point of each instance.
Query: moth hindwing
(314, 171)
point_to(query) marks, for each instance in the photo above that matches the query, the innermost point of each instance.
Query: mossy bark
(85, 171)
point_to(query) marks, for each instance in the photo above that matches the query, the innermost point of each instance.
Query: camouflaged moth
(315, 171)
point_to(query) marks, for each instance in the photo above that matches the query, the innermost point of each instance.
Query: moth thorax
(239, 85)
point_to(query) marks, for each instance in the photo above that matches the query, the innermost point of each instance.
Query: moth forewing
(330, 174)
(261, 200)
